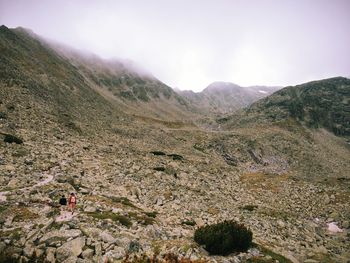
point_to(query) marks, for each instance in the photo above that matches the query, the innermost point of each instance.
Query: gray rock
(281, 224)
(28, 250)
(59, 235)
(90, 209)
(70, 260)
(50, 255)
(87, 253)
(71, 248)
(116, 253)
(38, 252)
(107, 237)
(98, 249)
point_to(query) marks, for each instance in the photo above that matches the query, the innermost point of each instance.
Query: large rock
(28, 250)
(60, 235)
(50, 255)
(70, 249)
(87, 253)
(107, 237)
(116, 254)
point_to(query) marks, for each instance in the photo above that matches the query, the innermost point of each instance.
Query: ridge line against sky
(190, 44)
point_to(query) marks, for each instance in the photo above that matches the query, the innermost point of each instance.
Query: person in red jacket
(72, 202)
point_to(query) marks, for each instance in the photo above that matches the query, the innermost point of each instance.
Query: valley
(150, 165)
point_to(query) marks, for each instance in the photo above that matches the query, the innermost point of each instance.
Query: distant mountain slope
(225, 97)
(317, 104)
(68, 79)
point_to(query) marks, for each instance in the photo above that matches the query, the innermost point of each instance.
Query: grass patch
(151, 214)
(159, 169)
(198, 148)
(176, 157)
(22, 214)
(123, 200)
(3, 208)
(268, 252)
(249, 207)
(276, 214)
(21, 152)
(125, 221)
(54, 212)
(142, 219)
(158, 153)
(112, 201)
(188, 223)
(264, 181)
(14, 234)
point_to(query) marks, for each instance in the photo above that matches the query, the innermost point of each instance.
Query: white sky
(189, 44)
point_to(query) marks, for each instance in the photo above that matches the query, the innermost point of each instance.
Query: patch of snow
(263, 91)
(332, 227)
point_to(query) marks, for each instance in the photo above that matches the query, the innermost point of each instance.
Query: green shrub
(12, 139)
(158, 153)
(3, 115)
(188, 223)
(224, 238)
(249, 207)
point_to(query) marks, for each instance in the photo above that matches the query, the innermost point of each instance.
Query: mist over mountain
(225, 97)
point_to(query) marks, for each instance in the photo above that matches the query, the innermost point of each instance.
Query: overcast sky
(189, 44)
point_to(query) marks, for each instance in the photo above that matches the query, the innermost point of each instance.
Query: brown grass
(262, 181)
(22, 214)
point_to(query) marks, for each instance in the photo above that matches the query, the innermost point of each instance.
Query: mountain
(224, 97)
(317, 104)
(146, 178)
(305, 127)
(58, 76)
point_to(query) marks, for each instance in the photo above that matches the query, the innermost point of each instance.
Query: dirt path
(47, 180)
(65, 216)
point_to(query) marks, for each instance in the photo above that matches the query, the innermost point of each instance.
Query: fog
(189, 44)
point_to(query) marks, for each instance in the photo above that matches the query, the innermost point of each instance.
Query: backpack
(73, 199)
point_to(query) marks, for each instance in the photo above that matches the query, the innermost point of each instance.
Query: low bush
(12, 139)
(224, 238)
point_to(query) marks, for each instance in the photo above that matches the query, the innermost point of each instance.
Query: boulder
(116, 254)
(60, 235)
(107, 237)
(50, 255)
(70, 249)
(87, 253)
(90, 209)
(28, 250)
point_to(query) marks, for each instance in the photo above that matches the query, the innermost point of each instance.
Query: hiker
(63, 202)
(72, 202)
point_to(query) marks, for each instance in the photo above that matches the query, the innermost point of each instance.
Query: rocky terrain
(145, 183)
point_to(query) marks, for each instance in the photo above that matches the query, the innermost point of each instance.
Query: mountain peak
(218, 86)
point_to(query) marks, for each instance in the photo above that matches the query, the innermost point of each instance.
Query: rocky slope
(44, 67)
(145, 185)
(317, 104)
(225, 97)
